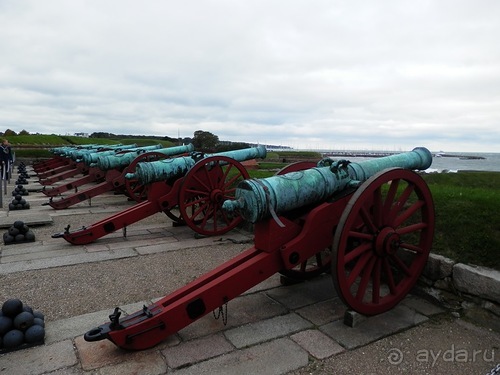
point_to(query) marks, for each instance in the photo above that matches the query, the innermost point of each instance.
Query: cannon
(62, 158)
(85, 166)
(116, 167)
(189, 189)
(76, 166)
(375, 218)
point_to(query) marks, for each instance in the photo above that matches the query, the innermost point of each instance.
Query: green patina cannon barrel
(64, 150)
(166, 169)
(78, 155)
(106, 163)
(257, 199)
(91, 158)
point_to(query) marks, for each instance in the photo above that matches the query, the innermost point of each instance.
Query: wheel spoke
(390, 276)
(368, 220)
(407, 246)
(356, 271)
(391, 194)
(356, 252)
(367, 272)
(376, 281)
(411, 228)
(377, 207)
(401, 265)
(401, 202)
(408, 213)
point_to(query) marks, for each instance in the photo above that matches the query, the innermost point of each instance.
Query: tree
(205, 141)
(24, 132)
(9, 133)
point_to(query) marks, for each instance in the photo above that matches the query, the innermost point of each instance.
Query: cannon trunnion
(373, 230)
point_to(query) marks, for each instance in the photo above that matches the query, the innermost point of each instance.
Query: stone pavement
(271, 329)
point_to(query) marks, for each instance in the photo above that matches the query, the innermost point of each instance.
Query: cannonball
(34, 334)
(18, 197)
(8, 239)
(18, 223)
(39, 322)
(20, 186)
(24, 229)
(13, 338)
(26, 206)
(6, 325)
(12, 307)
(12, 206)
(22, 201)
(13, 231)
(27, 308)
(38, 314)
(29, 236)
(24, 320)
(20, 238)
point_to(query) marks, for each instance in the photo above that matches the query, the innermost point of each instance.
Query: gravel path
(74, 290)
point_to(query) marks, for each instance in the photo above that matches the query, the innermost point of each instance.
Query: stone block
(478, 281)
(438, 267)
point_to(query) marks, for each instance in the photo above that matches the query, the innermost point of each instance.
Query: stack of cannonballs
(18, 233)
(22, 173)
(18, 202)
(20, 326)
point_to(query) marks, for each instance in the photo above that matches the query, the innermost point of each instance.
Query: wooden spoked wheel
(134, 188)
(321, 261)
(383, 241)
(206, 186)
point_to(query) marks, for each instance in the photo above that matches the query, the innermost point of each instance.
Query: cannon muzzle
(257, 199)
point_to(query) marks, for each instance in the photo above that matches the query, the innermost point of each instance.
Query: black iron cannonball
(7, 238)
(24, 320)
(13, 338)
(38, 314)
(38, 322)
(13, 231)
(18, 223)
(29, 236)
(6, 325)
(12, 307)
(20, 238)
(34, 334)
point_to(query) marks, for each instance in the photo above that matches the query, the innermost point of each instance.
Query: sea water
(453, 162)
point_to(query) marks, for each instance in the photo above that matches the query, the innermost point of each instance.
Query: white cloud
(386, 74)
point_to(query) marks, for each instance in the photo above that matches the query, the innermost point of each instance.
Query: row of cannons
(370, 224)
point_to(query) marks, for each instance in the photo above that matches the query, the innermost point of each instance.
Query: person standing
(5, 158)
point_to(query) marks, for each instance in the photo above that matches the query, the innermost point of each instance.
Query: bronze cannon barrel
(106, 163)
(256, 199)
(79, 155)
(163, 170)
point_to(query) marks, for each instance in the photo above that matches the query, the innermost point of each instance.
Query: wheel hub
(387, 242)
(217, 196)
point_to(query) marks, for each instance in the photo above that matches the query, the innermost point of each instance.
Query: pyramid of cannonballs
(20, 326)
(18, 233)
(18, 202)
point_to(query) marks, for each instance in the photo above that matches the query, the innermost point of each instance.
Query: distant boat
(439, 154)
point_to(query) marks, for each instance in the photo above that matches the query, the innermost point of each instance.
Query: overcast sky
(308, 74)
